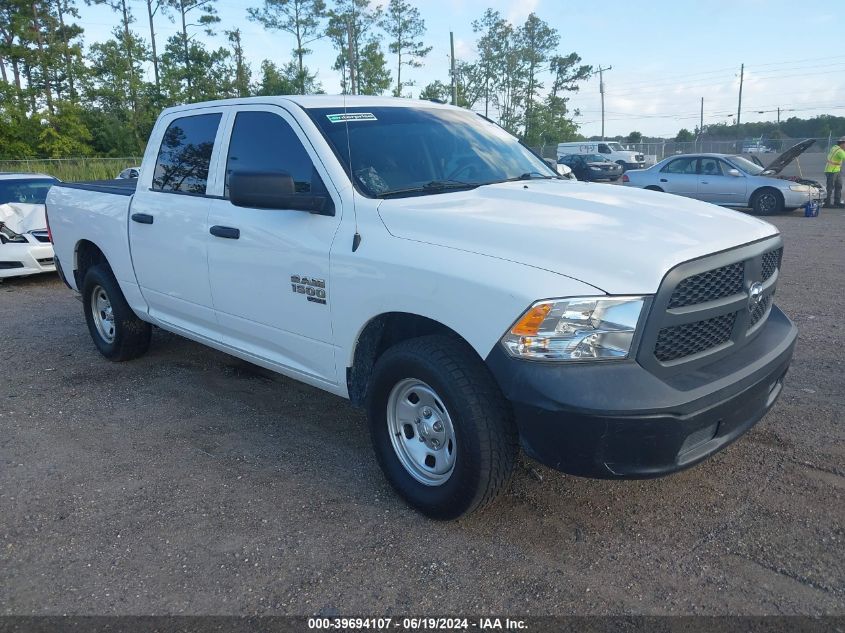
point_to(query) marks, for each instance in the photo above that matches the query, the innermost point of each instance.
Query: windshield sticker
(351, 116)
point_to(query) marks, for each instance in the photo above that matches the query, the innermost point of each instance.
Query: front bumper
(17, 260)
(792, 199)
(616, 420)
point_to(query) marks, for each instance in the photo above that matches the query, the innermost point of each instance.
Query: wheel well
(753, 199)
(760, 190)
(381, 333)
(88, 254)
(653, 188)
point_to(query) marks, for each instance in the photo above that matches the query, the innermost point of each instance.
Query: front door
(716, 185)
(270, 275)
(168, 223)
(680, 176)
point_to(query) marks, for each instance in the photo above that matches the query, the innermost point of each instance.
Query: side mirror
(734, 172)
(563, 170)
(274, 190)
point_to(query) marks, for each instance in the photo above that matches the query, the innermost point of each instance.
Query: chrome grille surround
(703, 310)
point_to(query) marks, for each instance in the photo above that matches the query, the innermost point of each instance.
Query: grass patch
(72, 169)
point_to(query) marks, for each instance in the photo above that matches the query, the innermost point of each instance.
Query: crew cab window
(185, 154)
(681, 166)
(264, 142)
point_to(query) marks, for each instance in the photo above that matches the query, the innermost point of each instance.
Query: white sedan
(25, 247)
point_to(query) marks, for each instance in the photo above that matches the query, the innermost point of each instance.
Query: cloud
(519, 10)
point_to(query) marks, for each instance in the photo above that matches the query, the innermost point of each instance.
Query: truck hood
(619, 240)
(22, 217)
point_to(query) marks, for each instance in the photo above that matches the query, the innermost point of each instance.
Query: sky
(664, 56)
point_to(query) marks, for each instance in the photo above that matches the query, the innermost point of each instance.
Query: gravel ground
(190, 482)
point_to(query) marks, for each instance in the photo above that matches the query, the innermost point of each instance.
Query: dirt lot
(189, 482)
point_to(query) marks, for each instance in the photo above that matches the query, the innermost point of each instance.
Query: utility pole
(601, 91)
(778, 116)
(701, 118)
(454, 77)
(739, 105)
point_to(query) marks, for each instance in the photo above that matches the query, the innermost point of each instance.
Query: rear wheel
(767, 202)
(442, 432)
(114, 328)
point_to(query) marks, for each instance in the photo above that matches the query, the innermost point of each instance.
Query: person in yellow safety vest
(833, 172)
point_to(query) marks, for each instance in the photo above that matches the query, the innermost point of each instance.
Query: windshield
(418, 150)
(30, 190)
(616, 147)
(746, 165)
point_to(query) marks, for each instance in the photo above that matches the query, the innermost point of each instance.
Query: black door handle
(663, 180)
(142, 218)
(225, 231)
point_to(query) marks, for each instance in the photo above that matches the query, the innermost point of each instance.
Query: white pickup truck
(418, 260)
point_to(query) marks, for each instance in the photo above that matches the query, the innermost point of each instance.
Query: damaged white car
(25, 247)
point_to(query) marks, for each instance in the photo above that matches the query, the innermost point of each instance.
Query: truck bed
(119, 186)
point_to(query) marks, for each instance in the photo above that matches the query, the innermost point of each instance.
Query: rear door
(271, 286)
(717, 186)
(680, 176)
(168, 227)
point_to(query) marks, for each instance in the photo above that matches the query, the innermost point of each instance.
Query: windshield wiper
(529, 175)
(435, 186)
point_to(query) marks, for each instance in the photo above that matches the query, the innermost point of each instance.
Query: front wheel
(767, 202)
(442, 431)
(115, 329)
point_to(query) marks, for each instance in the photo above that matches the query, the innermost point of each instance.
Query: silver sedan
(727, 180)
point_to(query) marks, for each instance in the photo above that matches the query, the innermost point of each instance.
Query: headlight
(7, 235)
(801, 188)
(581, 328)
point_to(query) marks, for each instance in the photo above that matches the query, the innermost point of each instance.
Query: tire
(122, 337)
(653, 188)
(431, 380)
(767, 201)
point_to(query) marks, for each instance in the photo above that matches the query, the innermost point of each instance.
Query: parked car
(25, 247)
(756, 148)
(591, 167)
(731, 181)
(468, 305)
(129, 173)
(611, 150)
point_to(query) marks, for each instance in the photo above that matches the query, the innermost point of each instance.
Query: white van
(610, 149)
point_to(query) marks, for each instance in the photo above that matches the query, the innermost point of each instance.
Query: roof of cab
(315, 101)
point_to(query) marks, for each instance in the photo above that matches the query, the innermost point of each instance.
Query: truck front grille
(704, 308)
(709, 286)
(759, 311)
(692, 338)
(771, 262)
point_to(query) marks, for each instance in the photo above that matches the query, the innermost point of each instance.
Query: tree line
(774, 132)
(59, 98)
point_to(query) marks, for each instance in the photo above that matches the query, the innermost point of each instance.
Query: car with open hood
(25, 247)
(732, 181)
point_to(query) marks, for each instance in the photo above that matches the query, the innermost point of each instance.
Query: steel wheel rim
(421, 432)
(103, 314)
(767, 202)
